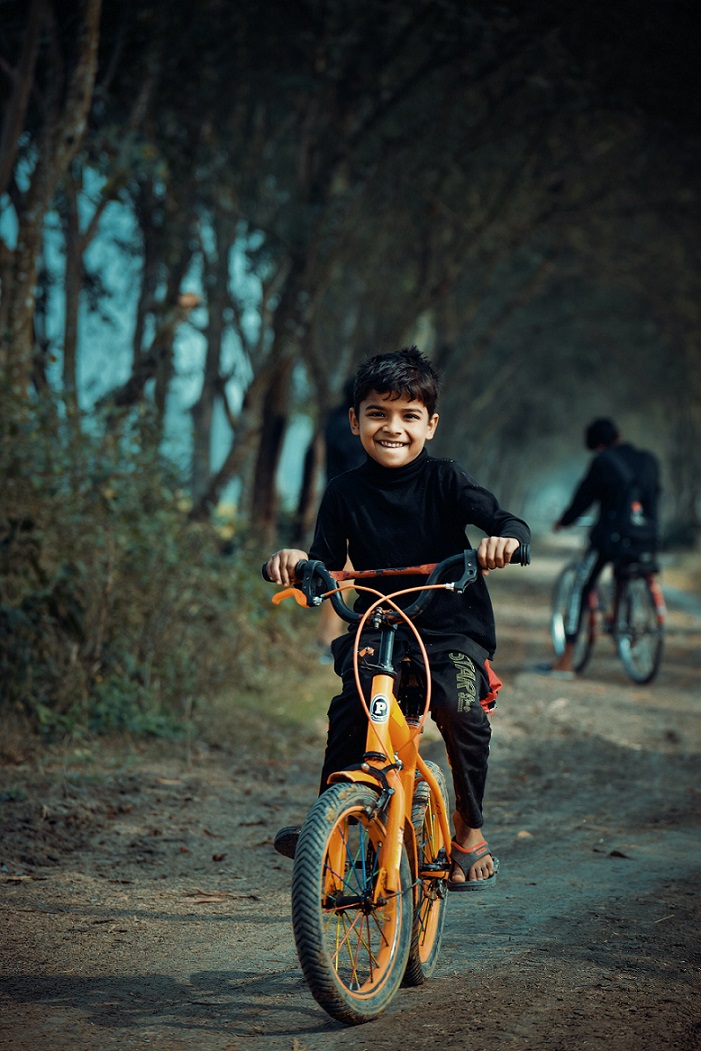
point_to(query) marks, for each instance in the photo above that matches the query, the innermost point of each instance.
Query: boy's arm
(328, 545)
(280, 567)
(505, 532)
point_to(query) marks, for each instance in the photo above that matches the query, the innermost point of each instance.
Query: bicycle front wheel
(562, 593)
(352, 940)
(639, 633)
(432, 897)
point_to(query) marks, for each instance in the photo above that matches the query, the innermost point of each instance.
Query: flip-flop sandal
(465, 859)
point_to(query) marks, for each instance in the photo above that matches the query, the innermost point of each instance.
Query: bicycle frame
(391, 756)
(390, 762)
(619, 586)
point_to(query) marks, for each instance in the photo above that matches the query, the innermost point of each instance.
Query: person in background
(625, 484)
(343, 451)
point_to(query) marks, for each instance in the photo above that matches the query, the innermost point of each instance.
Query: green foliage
(117, 613)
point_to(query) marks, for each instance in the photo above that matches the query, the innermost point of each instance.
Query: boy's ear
(432, 424)
(354, 425)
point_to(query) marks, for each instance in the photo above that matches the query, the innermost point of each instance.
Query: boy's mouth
(391, 445)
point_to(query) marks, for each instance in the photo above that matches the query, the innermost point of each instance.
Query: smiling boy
(401, 508)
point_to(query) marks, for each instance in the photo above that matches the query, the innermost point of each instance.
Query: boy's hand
(495, 552)
(280, 567)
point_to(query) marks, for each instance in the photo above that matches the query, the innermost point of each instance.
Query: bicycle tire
(353, 950)
(432, 892)
(639, 635)
(584, 643)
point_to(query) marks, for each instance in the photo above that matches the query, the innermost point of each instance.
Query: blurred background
(210, 212)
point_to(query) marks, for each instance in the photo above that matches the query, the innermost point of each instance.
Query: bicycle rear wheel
(432, 896)
(639, 633)
(352, 941)
(562, 593)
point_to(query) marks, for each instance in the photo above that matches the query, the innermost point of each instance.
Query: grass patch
(283, 711)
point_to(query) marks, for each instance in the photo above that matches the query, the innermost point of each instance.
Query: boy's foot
(472, 860)
(473, 869)
(285, 841)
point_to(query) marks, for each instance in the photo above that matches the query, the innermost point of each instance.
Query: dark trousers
(458, 683)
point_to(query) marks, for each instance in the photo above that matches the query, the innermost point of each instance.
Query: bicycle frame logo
(379, 708)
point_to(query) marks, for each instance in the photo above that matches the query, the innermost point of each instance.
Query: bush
(116, 611)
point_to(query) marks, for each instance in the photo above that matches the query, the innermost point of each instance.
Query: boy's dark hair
(403, 372)
(601, 432)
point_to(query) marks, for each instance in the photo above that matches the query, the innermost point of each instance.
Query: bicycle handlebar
(311, 572)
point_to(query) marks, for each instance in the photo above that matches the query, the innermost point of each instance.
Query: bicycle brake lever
(469, 573)
(295, 593)
(308, 580)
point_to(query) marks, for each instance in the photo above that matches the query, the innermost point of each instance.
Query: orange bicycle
(372, 863)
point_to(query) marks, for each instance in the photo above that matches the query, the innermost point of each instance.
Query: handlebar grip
(521, 556)
(264, 571)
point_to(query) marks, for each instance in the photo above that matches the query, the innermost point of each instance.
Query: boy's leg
(347, 732)
(345, 741)
(458, 685)
(346, 736)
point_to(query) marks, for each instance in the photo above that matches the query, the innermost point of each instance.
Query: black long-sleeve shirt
(606, 483)
(383, 517)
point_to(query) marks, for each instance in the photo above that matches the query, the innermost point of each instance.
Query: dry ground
(142, 905)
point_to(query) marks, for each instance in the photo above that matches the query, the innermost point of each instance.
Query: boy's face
(393, 431)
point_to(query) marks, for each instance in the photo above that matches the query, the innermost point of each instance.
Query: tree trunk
(308, 502)
(216, 279)
(20, 91)
(72, 283)
(249, 425)
(59, 142)
(264, 498)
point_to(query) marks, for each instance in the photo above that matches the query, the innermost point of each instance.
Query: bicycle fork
(390, 762)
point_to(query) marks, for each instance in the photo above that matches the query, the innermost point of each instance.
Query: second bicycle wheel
(638, 632)
(352, 940)
(432, 897)
(585, 633)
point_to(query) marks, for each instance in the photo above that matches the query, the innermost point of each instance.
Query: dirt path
(143, 907)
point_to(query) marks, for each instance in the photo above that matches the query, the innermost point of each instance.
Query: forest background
(210, 212)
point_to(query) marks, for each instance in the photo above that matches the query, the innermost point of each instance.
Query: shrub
(116, 611)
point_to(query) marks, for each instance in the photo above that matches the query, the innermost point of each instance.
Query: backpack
(631, 536)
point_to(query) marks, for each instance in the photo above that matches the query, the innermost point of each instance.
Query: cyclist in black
(402, 507)
(624, 481)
